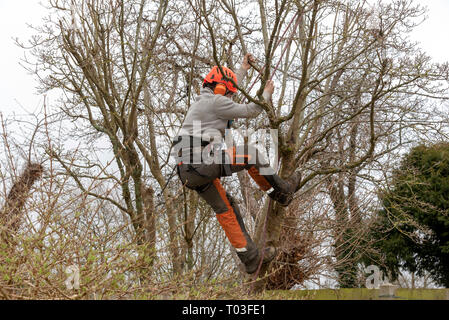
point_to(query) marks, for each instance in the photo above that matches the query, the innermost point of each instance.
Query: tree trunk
(15, 201)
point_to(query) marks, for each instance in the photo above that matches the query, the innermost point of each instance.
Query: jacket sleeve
(227, 109)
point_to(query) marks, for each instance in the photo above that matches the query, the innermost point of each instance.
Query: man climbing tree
(200, 139)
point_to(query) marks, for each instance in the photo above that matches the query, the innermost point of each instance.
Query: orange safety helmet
(215, 76)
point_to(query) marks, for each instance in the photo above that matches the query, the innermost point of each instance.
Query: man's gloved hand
(246, 60)
(269, 87)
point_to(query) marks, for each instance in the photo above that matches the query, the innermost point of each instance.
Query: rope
(298, 19)
(270, 201)
(264, 236)
(168, 181)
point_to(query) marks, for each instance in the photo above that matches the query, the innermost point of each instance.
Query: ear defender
(220, 88)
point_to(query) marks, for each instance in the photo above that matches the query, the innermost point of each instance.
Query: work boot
(284, 189)
(251, 258)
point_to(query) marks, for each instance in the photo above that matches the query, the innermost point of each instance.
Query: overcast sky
(18, 88)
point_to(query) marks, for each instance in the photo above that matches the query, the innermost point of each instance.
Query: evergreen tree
(415, 215)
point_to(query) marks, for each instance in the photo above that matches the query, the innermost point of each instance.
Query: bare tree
(100, 53)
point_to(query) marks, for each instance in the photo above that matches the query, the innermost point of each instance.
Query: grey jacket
(208, 116)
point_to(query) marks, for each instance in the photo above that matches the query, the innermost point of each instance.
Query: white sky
(17, 88)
